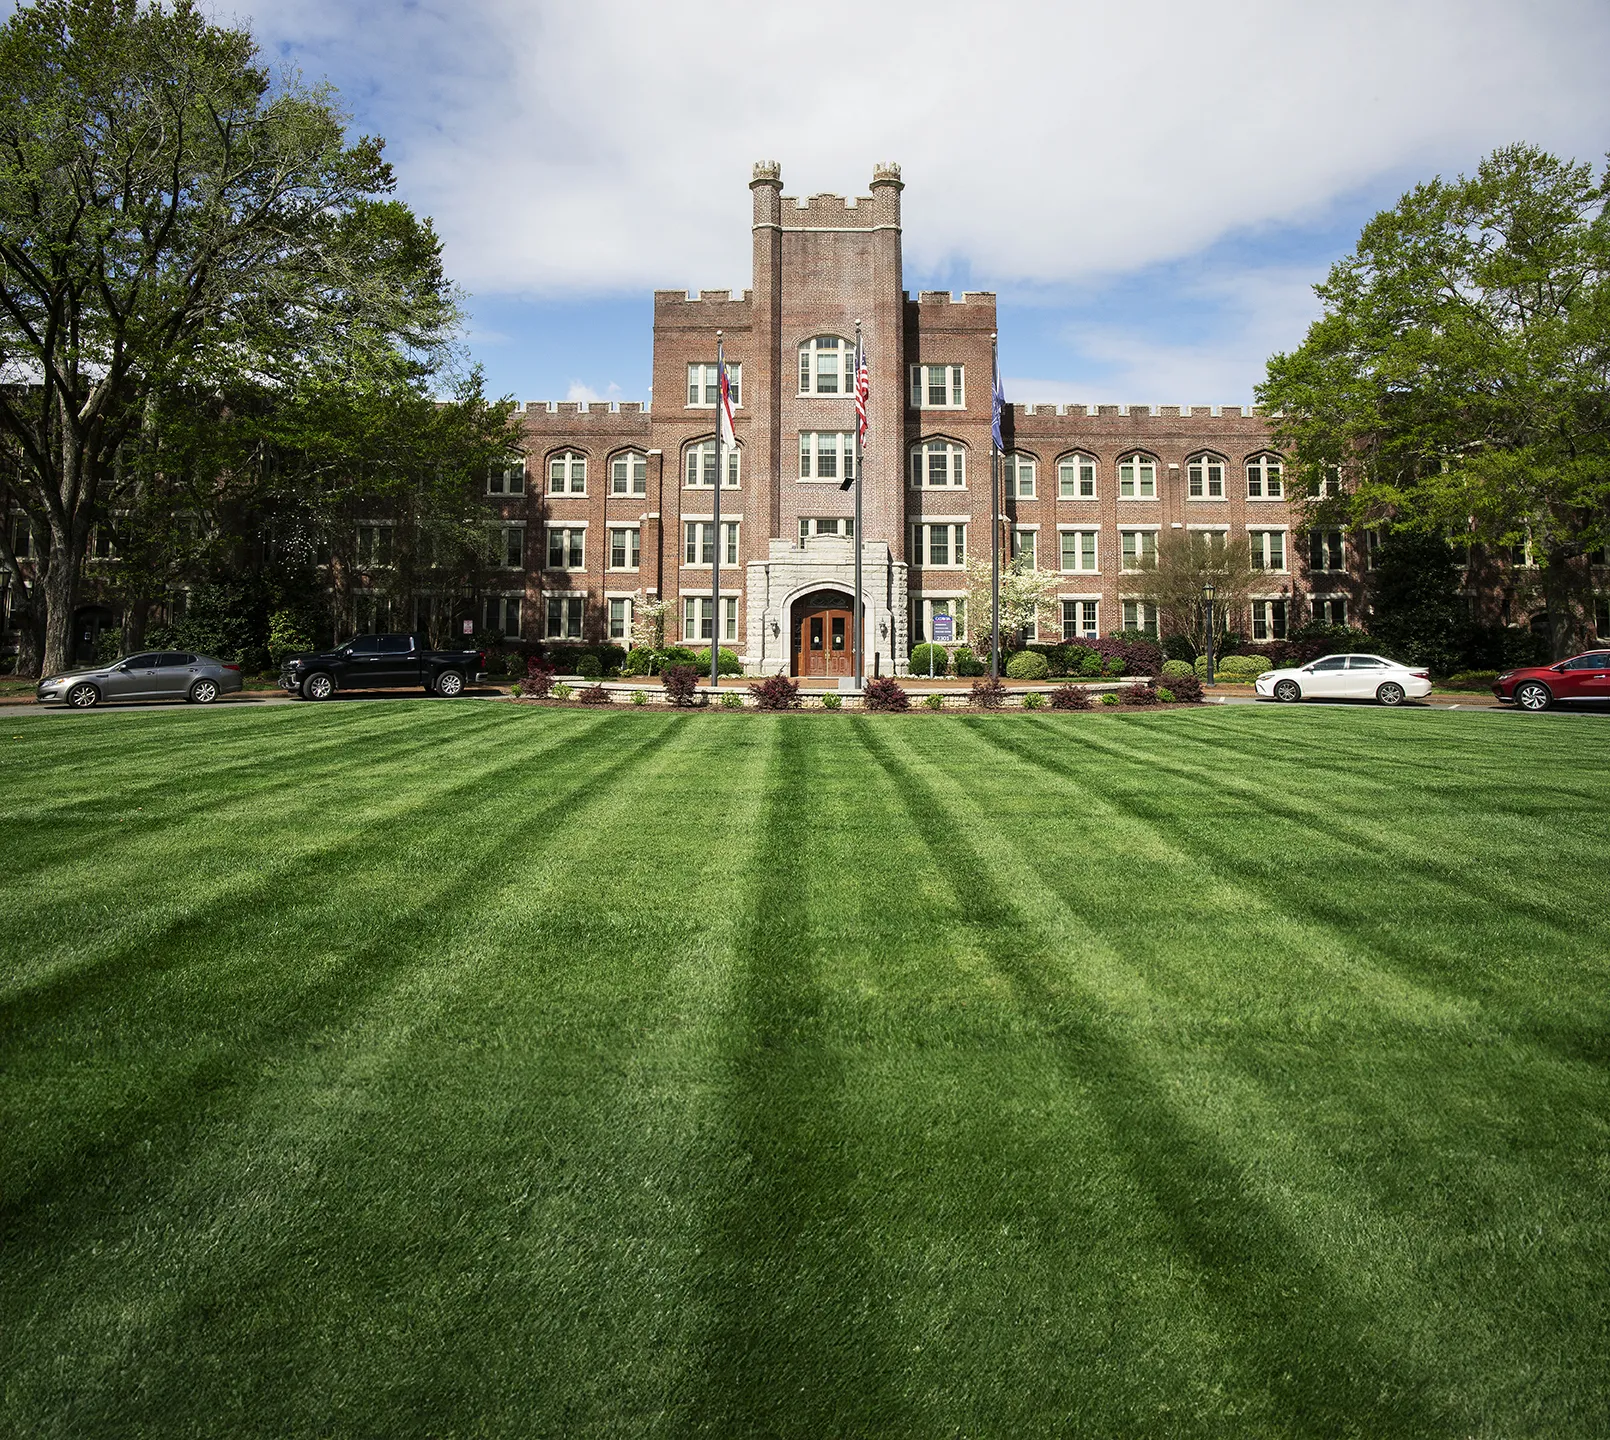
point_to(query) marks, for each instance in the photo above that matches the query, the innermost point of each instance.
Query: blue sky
(1151, 189)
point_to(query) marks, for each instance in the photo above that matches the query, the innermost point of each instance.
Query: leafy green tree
(1174, 579)
(1459, 378)
(171, 217)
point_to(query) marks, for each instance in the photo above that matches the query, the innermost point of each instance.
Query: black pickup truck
(382, 662)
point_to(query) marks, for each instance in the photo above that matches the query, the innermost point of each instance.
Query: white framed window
(1326, 551)
(1022, 545)
(834, 526)
(826, 366)
(936, 464)
(507, 478)
(620, 618)
(567, 473)
(699, 541)
(1268, 619)
(699, 466)
(1080, 619)
(827, 455)
(1017, 475)
(1208, 541)
(1370, 544)
(1204, 477)
(22, 537)
(1076, 477)
(1268, 549)
(943, 545)
(567, 547)
(102, 541)
(1137, 478)
(698, 617)
(1079, 550)
(1141, 615)
(1138, 546)
(628, 474)
(925, 607)
(704, 385)
(501, 614)
(565, 616)
(625, 547)
(371, 614)
(1264, 478)
(509, 544)
(937, 387)
(1327, 484)
(373, 548)
(1329, 609)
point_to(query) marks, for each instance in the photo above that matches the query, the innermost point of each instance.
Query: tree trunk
(31, 639)
(61, 597)
(136, 616)
(1559, 594)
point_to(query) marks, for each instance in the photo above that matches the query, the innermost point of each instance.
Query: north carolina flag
(729, 437)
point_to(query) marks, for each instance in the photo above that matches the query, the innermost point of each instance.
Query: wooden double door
(824, 641)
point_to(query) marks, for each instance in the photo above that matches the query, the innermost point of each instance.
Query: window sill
(1138, 499)
(1206, 499)
(567, 494)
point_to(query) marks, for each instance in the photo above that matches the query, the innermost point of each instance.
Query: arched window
(938, 463)
(1204, 477)
(567, 473)
(1264, 478)
(826, 363)
(1017, 471)
(628, 474)
(699, 466)
(1137, 477)
(1076, 477)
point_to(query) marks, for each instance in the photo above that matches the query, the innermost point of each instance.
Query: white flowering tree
(648, 621)
(1027, 594)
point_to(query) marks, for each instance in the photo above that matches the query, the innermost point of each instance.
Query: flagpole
(995, 516)
(715, 525)
(860, 658)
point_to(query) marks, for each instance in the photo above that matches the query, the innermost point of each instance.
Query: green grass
(463, 1069)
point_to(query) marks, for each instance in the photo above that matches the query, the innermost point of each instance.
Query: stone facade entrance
(819, 576)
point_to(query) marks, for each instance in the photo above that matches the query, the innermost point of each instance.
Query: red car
(1582, 677)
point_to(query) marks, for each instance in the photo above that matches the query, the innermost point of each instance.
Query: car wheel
(1390, 693)
(449, 683)
(1533, 695)
(318, 687)
(84, 697)
(1288, 690)
(204, 692)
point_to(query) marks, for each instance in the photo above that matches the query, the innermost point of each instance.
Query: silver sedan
(151, 675)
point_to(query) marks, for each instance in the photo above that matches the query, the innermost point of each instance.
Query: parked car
(1346, 677)
(150, 675)
(1536, 687)
(382, 662)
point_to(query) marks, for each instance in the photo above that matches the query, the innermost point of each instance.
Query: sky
(1152, 188)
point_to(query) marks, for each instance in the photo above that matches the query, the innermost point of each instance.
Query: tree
(170, 217)
(1174, 579)
(1459, 378)
(1027, 595)
(648, 621)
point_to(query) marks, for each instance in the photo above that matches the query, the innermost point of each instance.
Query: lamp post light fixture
(1207, 594)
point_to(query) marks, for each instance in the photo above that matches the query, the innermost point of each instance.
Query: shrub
(641, 661)
(681, 684)
(1248, 666)
(830, 701)
(727, 662)
(1028, 665)
(514, 689)
(562, 691)
(538, 678)
(732, 701)
(1471, 680)
(934, 702)
(1094, 664)
(1165, 696)
(884, 694)
(1187, 689)
(1177, 647)
(596, 695)
(1109, 699)
(288, 634)
(1070, 697)
(968, 664)
(1034, 700)
(1139, 695)
(1177, 667)
(640, 697)
(776, 692)
(1115, 664)
(922, 654)
(988, 693)
(589, 668)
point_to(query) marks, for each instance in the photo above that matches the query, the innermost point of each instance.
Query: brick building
(617, 499)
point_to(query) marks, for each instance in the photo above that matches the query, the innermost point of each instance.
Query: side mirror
(346, 649)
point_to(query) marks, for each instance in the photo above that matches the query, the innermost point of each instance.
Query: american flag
(863, 388)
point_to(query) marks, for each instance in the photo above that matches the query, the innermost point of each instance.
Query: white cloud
(607, 146)
(580, 391)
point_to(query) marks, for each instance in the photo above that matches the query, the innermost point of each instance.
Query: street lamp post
(1207, 594)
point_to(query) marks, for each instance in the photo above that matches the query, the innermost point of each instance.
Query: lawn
(428, 1069)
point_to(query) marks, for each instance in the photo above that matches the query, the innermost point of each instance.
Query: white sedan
(1346, 677)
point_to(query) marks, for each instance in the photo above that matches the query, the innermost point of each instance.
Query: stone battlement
(834, 212)
(1171, 412)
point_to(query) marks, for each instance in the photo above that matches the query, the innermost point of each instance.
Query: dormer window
(827, 366)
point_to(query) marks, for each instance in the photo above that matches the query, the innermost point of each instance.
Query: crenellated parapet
(828, 212)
